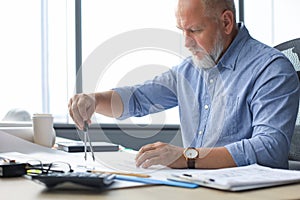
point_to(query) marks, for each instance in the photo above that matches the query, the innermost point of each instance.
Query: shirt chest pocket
(231, 117)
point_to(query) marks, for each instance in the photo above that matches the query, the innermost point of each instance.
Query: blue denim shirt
(248, 102)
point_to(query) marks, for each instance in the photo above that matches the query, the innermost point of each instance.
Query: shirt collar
(231, 55)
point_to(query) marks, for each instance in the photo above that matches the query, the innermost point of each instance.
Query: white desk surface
(23, 189)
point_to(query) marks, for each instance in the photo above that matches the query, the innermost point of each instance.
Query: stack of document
(240, 178)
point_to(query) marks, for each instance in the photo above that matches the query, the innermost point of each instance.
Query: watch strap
(191, 163)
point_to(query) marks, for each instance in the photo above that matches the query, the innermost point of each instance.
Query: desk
(23, 189)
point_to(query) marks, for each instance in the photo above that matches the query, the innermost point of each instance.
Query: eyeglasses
(35, 167)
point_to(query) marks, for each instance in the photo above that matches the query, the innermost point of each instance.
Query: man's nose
(189, 41)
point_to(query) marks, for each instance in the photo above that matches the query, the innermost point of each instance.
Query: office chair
(292, 50)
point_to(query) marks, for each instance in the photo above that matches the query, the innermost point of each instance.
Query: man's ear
(228, 21)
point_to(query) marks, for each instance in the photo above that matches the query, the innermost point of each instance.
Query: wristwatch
(191, 154)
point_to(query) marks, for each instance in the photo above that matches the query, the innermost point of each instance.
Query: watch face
(191, 153)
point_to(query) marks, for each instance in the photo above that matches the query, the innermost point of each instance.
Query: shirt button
(206, 107)
(200, 132)
(211, 80)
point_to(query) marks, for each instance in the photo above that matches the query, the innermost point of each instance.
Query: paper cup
(43, 131)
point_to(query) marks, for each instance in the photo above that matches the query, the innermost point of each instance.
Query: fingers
(81, 108)
(74, 112)
(161, 154)
(148, 156)
(145, 148)
(151, 161)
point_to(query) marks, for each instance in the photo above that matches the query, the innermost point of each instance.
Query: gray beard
(209, 61)
(205, 63)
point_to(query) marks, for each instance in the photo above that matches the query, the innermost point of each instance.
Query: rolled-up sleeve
(274, 107)
(151, 97)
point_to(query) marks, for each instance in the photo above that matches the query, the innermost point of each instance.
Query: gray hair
(212, 5)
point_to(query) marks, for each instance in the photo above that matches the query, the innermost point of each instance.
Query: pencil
(120, 173)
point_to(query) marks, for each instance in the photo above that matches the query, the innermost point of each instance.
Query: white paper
(125, 162)
(22, 151)
(240, 178)
(15, 148)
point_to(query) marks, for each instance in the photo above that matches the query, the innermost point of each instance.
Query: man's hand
(81, 108)
(161, 154)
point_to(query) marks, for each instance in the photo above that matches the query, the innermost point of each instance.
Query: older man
(238, 98)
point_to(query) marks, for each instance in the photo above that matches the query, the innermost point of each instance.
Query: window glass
(20, 77)
(61, 57)
(36, 77)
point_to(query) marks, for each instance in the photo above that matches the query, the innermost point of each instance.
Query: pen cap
(43, 131)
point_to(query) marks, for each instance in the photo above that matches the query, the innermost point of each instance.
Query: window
(38, 71)
(20, 38)
(61, 57)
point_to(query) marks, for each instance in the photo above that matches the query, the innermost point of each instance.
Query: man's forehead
(189, 6)
(189, 12)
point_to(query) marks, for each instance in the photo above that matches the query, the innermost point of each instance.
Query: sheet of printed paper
(247, 175)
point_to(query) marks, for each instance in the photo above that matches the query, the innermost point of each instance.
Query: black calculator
(92, 180)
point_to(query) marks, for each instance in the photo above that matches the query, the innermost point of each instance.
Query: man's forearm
(218, 157)
(109, 103)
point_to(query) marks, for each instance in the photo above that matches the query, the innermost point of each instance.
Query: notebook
(78, 146)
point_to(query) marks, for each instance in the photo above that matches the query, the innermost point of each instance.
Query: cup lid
(42, 115)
